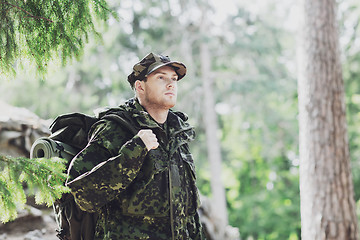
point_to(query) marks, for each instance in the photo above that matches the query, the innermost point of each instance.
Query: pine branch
(28, 13)
(59, 30)
(43, 177)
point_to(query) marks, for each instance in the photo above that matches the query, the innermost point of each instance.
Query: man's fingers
(149, 138)
(156, 145)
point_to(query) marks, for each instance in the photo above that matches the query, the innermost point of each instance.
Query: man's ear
(139, 86)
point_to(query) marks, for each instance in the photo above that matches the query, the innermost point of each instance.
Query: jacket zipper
(171, 207)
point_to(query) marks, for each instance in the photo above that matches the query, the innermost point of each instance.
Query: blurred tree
(327, 197)
(214, 158)
(257, 110)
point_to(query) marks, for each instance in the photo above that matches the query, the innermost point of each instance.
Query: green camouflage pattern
(138, 194)
(150, 63)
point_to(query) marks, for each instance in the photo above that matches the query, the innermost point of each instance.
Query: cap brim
(179, 68)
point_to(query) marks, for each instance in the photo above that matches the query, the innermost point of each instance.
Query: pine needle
(43, 178)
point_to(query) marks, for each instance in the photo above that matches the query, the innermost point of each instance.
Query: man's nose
(171, 83)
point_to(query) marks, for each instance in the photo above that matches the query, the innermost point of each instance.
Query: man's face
(160, 89)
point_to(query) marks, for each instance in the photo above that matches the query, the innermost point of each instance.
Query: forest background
(252, 52)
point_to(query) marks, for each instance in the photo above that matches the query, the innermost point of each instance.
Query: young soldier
(139, 176)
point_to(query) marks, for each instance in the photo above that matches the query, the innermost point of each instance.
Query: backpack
(69, 135)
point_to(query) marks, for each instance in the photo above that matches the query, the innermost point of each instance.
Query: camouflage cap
(152, 62)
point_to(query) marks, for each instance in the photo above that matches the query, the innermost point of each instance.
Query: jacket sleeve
(106, 166)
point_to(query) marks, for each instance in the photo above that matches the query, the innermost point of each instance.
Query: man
(139, 176)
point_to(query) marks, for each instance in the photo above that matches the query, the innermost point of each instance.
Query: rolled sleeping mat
(48, 148)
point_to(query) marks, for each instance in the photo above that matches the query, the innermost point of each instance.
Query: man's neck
(159, 115)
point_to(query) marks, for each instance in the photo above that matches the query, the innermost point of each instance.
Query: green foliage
(39, 30)
(43, 177)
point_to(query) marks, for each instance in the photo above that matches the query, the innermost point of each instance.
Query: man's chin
(170, 104)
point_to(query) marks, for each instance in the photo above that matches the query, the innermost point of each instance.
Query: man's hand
(149, 138)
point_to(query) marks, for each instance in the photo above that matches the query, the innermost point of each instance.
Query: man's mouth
(170, 93)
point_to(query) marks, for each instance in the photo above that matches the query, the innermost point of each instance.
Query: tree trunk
(327, 197)
(213, 144)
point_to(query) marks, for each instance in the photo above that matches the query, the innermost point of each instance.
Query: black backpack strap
(120, 120)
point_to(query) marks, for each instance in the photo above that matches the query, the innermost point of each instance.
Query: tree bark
(328, 208)
(213, 144)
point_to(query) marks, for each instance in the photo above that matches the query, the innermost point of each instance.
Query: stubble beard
(161, 103)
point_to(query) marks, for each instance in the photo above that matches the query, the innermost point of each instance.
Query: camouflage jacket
(138, 194)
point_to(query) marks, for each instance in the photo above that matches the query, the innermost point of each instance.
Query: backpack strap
(120, 120)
